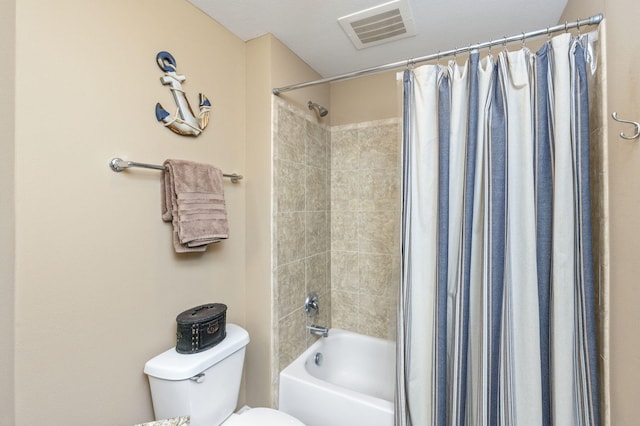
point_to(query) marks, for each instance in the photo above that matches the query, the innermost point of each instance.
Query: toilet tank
(202, 385)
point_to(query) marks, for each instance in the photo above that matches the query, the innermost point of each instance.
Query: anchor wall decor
(184, 122)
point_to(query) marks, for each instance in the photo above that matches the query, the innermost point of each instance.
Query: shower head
(320, 110)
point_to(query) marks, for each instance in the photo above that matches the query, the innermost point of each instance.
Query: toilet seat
(262, 417)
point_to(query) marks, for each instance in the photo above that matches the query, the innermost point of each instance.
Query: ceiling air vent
(379, 24)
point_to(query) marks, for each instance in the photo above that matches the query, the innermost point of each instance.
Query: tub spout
(318, 330)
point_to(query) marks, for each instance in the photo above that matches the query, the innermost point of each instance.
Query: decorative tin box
(201, 327)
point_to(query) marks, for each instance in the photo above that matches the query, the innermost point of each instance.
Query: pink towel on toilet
(193, 201)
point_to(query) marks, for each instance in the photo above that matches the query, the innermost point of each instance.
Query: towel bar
(118, 165)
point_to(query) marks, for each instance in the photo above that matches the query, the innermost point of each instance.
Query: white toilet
(205, 386)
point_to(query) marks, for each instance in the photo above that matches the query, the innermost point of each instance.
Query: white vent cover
(379, 24)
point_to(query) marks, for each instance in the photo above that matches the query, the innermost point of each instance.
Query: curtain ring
(548, 34)
(504, 44)
(565, 26)
(578, 25)
(523, 37)
(438, 58)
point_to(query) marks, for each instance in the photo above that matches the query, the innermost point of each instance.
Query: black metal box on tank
(201, 327)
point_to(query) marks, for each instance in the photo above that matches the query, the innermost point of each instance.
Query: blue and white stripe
(496, 319)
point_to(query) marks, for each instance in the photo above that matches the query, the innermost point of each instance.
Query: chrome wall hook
(636, 135)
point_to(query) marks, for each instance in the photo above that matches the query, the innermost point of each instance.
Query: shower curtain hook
(578, 25)
(565, 26)
(523, 37)
(548, 34)
(504, 44)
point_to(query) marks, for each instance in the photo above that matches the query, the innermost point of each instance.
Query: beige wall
(269, 64)
(287, 69)
(7, 234)
(355, 101)
(97, 284)
(623, 53)
(258, 221)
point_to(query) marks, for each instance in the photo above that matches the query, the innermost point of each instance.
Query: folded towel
(193, 200)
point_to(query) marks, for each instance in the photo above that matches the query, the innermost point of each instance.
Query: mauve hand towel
(193, 200)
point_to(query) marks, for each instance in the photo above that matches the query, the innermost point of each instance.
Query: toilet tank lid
(171, 365)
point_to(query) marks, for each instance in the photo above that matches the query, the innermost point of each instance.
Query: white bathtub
(353, 385)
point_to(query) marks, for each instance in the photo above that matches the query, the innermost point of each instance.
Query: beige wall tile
(317, 232)
(317, 149)
(376, 274)
(316, 274)
(291, 287)
(345, 152)
(289, 186)
(345, 271)
(378, 231)
(379, 189)
(290, 143)
(303, 233)
(290, 237)
(317, 189)
(344, 231)
(345, 191)
(351, 220)
(344, 310)
(374, 315)
(365, 225)
(291, 337)
(379, 147)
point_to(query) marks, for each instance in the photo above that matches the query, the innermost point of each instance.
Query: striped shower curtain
(496, 318)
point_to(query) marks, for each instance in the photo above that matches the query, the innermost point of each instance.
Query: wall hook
(635, 123)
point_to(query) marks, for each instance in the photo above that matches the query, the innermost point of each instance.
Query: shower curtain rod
(593, 20)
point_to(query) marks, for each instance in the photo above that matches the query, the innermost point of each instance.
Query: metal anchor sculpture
(184, 122)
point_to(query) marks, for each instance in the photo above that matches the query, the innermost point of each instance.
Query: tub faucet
(318, 330)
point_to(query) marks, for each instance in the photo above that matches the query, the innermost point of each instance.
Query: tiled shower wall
(301, 203)
(365, 227)
(336, 215)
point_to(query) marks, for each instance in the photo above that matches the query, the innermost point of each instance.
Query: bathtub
(352, 385)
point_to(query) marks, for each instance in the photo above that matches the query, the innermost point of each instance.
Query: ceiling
(310, 27)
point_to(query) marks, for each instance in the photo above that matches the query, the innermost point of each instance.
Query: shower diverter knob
(311, 307)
